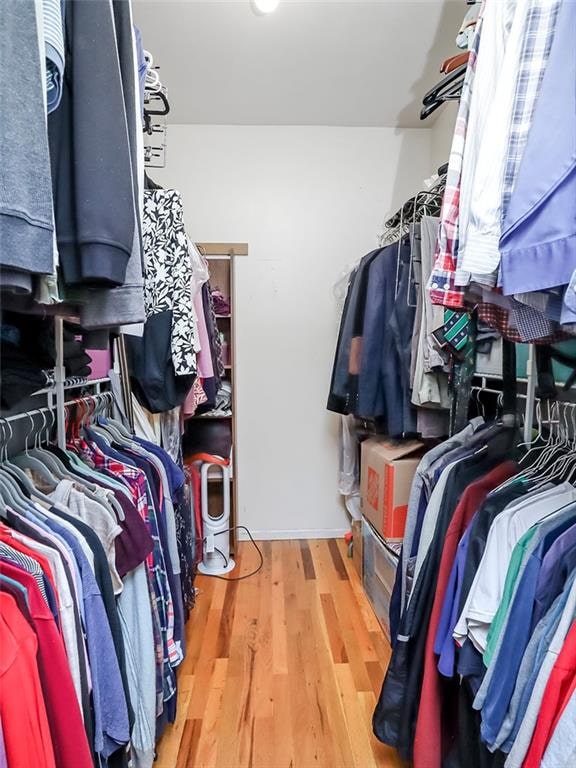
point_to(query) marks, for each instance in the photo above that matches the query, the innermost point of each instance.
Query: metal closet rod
(58, 388)
(476, 388)
(73, 385)
(520, 396)
(50, 410)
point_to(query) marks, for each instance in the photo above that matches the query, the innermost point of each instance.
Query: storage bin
(379, 565)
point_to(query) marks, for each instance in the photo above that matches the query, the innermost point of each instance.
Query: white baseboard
(306, 533)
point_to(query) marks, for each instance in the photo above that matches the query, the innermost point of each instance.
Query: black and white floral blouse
(168, 273)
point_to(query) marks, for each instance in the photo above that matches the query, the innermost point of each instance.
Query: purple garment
(174, 473)
(3, 759)
(444, 645)
(134, 544)
(221, 303)
(205, 366)
(538, 243)
(558, 563)
(213, 333)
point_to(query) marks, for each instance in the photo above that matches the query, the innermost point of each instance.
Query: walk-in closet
(287, 369)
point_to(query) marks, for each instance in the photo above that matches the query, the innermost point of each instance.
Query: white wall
(442, 132)
(308, 201)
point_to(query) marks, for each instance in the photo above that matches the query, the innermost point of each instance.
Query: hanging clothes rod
(476, 388)
(50, 410)
(70, 384)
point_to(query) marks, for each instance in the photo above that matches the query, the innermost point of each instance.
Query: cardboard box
(386, 477)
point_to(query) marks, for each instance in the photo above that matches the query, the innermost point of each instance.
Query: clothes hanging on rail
(484, 601)
(95, 587)
(71, 223)
(177, 360)
(388, 364)
(507, 219)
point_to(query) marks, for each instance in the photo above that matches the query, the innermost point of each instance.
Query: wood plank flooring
(282, 669)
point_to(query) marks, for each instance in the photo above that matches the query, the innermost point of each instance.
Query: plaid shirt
(167, 652)
(499, 318)
(441, 285)
(538, 37)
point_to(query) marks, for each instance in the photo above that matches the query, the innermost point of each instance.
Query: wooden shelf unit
(221, 259)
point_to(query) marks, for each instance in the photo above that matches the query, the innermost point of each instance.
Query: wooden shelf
(213, 416)
(223, 317)
(223, 249)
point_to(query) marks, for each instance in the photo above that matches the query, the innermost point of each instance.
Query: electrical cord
(222, 555)
(245, 575)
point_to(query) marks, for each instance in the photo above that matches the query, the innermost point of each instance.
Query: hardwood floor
(282, 669)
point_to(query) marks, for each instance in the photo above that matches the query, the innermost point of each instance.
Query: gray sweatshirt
(26, 228)
(124, 304)
(90, 153)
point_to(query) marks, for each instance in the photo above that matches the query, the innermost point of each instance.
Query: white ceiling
(311, 62)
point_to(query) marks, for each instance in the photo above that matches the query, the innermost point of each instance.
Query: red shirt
(25, 727)
(67, 731)
(428, 742)
(560, 687)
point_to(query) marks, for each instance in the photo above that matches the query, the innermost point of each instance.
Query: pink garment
(204, 359)
(100, 363)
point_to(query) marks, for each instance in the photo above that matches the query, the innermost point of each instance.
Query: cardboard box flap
(393, 451)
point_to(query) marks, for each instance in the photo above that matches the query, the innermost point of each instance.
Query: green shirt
(518, 554)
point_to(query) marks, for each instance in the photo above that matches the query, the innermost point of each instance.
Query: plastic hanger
(53, 463)
(113, 428)
(538, 452)
(444, 86)
(565, 464)
(12, 487)
(553, 448)
(118, 425)
(536, 446)
(10, 494)
(26, 461)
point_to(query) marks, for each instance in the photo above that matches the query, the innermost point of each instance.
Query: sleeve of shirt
(530, 661)
(508, 662)
(484, 585)
(441, 284)
(481, 226)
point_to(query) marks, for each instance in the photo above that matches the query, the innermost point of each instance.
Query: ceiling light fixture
(265, 6)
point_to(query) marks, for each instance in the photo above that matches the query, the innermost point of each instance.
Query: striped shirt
(53, 31)
(441, 285)
(538, 37)
(510, 117)
(28, 564)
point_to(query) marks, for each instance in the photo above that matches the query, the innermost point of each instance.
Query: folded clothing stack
(221, 303)
(28, 352)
